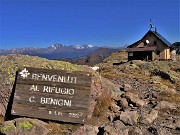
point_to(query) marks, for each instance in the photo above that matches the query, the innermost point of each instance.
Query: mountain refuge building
(153, 46)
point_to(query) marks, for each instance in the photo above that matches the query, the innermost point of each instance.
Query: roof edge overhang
(137, 49)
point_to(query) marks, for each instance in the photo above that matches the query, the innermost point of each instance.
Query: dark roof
(137, 42)
(138, 49)
(159, 36)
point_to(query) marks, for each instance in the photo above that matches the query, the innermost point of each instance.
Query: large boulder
(129, 117)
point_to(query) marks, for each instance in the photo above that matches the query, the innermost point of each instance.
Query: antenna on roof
(151, 26)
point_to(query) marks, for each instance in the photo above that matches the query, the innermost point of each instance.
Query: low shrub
(102, 105)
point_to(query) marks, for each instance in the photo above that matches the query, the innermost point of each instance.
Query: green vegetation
(9, 128)
(11, 63)
(25, 125)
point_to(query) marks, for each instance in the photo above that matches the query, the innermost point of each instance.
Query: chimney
(155, 30)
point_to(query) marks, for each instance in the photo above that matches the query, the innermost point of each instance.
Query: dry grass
(109, 74)
(55, 129)
(115, 76)
(71, 127)
(173, 98)
(167, 83)
(1, 120)
(59, 129)
(102, 105)
(100, 114)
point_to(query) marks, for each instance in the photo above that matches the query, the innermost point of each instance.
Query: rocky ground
(132, 98)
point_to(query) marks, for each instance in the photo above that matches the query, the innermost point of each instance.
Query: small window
(131, 54)
(158, 52)
(155, 42)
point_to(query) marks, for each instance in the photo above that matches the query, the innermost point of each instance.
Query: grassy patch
(8, 128)
(26, 125)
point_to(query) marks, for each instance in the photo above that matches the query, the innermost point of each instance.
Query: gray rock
(114, 107)
(113, 129)
(87, 130)
(164, 131)
(134, 97)
(166, 105)
(108, 128)
(177, 124)
(149, 118)
(117, 95)
(168, 125)
(124, 103)
(135, 131)
(119, 125)
(127, 87)
(129, 117)
(2, 110)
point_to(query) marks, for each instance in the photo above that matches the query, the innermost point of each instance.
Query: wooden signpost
(52, 94)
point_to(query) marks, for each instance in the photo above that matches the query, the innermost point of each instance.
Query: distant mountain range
(54, 51)
(93, 58)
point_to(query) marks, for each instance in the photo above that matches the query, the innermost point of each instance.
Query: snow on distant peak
(90, 46)
(82, 46)
(55, 46)
(78, 47)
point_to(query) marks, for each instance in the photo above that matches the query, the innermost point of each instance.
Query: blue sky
(114, 23)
